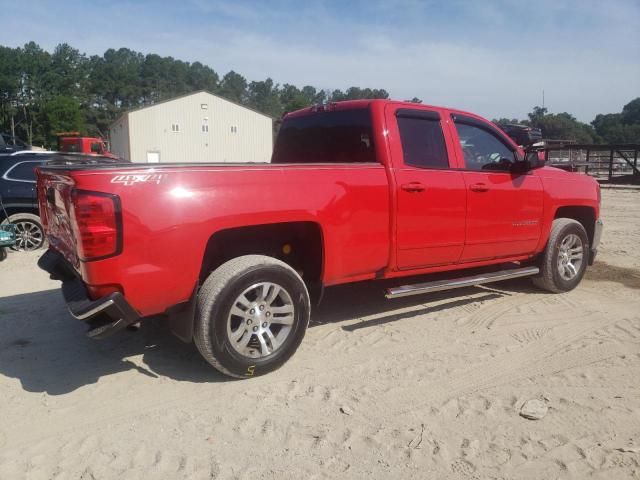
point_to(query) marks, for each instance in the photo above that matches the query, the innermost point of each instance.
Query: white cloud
(493, 58)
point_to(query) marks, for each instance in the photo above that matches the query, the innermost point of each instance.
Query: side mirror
(534, 159)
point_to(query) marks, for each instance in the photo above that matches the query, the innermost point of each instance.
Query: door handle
(413, 187)
(479, 187)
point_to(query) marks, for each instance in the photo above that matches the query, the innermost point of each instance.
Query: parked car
(234, 255)
(18, 192)
(523, 135)
(9, 144)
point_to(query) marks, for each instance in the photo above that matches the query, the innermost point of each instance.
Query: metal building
(198, 127)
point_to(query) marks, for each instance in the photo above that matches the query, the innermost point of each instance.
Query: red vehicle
(72, 142)
(234, 255)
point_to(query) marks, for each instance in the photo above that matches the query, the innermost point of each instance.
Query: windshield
(339, 136)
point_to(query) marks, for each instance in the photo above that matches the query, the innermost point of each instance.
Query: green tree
(561, 126)
(116, 78)
(292, 98)
(202, 77)
(631, 112)
(62, 114)
(507, 121)
(621, 127)
(9, 85)
(233, 87)
(264, 97)
(66, 73)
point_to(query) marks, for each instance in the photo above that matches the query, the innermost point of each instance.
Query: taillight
(97, 224)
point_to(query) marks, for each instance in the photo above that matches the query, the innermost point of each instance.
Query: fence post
(610, 164)
(586, 167)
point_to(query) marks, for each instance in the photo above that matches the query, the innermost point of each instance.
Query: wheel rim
(570, 255)
(260, 320)
(28, 235)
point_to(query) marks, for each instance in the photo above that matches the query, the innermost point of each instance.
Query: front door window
(482, 150)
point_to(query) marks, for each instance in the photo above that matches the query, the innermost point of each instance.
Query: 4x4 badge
(128, 180)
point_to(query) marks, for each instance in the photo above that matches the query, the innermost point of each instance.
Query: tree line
(43, 93)
(623, 127)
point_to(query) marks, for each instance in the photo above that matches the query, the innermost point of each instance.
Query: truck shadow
(47, 351)
(366, 299)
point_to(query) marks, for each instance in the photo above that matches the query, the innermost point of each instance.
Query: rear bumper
(597, 235)
(104, 316)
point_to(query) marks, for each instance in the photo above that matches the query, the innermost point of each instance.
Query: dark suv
(18, 190)
(523, 135)
(18, 196)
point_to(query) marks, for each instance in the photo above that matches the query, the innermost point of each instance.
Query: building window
(175, 127)
(204, 106)
(234, 129)
(205, 128)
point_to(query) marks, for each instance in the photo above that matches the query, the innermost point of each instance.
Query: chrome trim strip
(7, 177)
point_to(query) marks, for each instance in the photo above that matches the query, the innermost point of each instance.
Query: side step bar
(439, 285)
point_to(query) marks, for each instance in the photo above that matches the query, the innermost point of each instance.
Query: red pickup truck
(235, 255)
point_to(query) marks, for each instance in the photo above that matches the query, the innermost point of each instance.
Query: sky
(491, 57)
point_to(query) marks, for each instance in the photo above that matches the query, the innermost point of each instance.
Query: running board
(439, 285)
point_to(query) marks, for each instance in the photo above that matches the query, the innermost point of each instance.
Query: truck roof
(351, 104)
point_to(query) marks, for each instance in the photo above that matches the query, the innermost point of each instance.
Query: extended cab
(234, 255)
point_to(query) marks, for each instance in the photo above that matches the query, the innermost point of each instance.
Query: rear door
(504, 208)
(431, 197)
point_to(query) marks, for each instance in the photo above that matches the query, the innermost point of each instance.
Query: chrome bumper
(104, 316)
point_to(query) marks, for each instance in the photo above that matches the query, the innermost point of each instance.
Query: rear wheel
(564, 261)
(29, 232)
(252, 313)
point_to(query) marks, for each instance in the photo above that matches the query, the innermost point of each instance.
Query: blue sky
(493, 57)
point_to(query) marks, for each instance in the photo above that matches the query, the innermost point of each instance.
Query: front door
(504, 208)
(431, 197)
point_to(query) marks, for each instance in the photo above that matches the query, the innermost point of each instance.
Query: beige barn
(199, 127)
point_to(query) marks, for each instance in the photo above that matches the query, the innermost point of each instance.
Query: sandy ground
(425, 387)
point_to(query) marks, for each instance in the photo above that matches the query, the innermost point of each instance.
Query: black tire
(219, 294)
(32, 222)
(550, 277)
(3, 253)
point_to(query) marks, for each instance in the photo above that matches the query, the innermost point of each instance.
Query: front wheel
(564, 261)
(251, 315)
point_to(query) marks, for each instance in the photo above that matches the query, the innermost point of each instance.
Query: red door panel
(503, 215)
(430, 226)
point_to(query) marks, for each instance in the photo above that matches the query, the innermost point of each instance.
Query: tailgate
(54, 199)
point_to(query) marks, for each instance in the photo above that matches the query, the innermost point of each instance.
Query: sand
(427, 387)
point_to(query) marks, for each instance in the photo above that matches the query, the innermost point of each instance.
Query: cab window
(422, 139)
(338, 136)
(483, 150)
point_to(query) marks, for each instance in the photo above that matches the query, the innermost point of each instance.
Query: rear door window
(422, 140)
(23, 171)
(339, 136)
